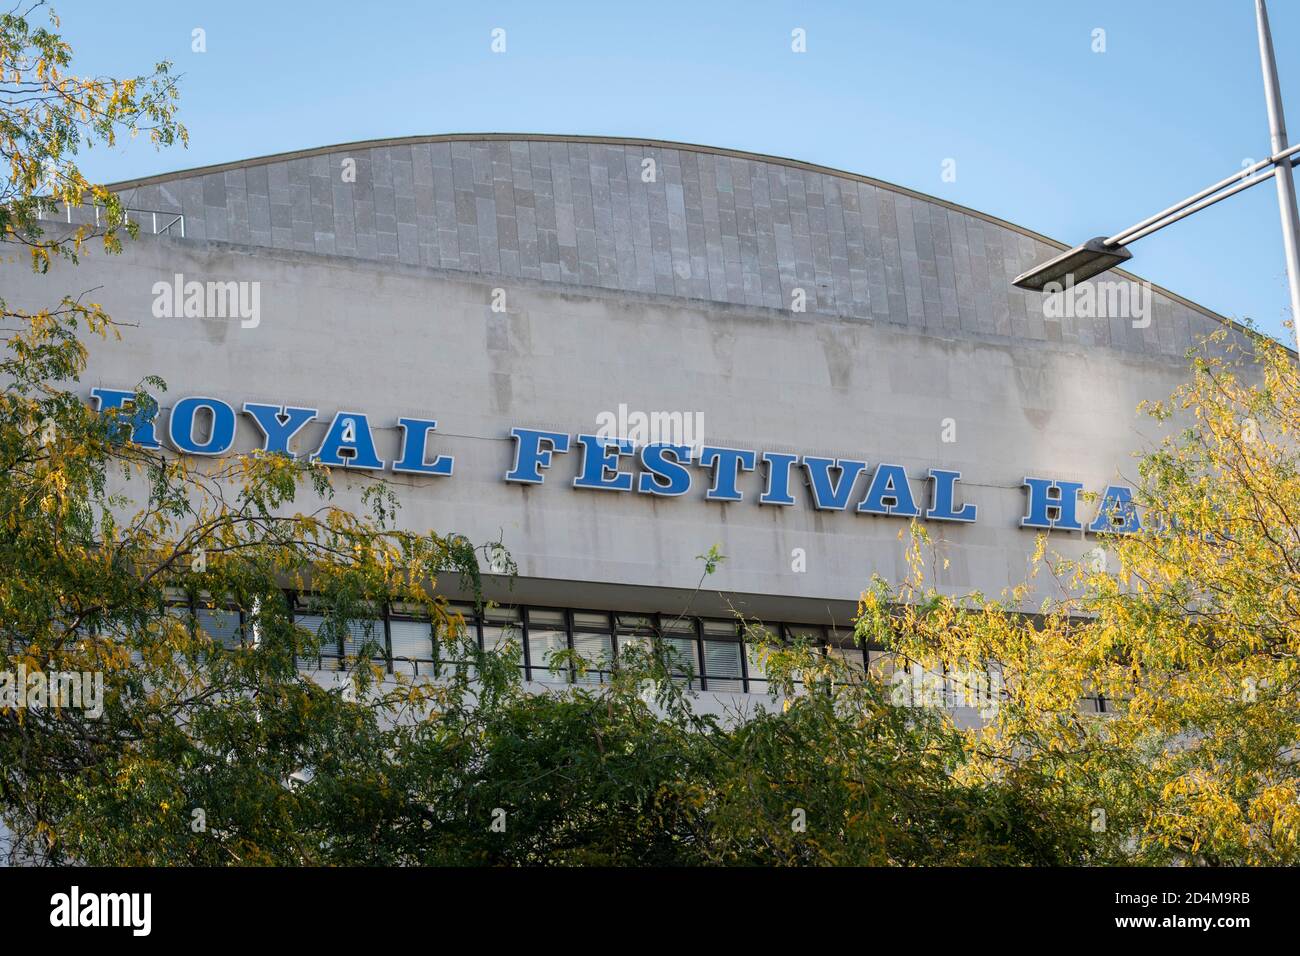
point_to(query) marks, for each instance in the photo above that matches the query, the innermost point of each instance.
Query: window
(451, 639)
(548, 632)
(324, 657)
(221, 625)
(882, 664)
(412, 646)
(593, 640)
(842, 644)
(361, 636)
(364, 637)
(635, 631)
(500, 626)
(754, 661)
(723, 666)
(806, 633)
(681, 647)
(178, 612)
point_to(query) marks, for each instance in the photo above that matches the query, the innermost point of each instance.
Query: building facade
(613, 355)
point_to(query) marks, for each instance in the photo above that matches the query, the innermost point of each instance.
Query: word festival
(200, 425)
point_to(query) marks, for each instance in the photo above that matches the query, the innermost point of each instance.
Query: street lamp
(1097, 255)
(1082, 262)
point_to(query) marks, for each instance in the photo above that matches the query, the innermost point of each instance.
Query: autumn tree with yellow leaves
(1188, 630)
(110, 552)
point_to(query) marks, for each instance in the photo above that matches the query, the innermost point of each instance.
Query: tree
(1188, 628)
(110, 555)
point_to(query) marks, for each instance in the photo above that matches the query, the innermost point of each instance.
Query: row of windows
(712, 651)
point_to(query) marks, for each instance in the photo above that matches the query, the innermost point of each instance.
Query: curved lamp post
(1105, 252)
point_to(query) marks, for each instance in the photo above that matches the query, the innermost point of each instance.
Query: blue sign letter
(676, 480)
(889, 494)
(945, 483)
(1117, 513)
(600, 466)
(141, 420)
(531, 457)
(415, 435)
(279, 423)
(350, 433)
(778, 479)
(1052, 511)
(181, 427)
(831, 495)
(728, 463)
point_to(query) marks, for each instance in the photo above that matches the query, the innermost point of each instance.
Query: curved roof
(654, 217)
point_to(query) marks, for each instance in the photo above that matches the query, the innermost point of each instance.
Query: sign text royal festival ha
(666, 469)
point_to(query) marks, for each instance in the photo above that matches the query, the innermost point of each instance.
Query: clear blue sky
(1046, 133)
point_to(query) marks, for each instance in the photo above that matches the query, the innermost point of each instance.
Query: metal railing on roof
(157, 221)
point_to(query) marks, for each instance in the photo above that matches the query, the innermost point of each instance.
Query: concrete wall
(339, 333)
(671, 294)
(713, 225)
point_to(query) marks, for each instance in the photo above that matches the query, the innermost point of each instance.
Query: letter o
(181, 427)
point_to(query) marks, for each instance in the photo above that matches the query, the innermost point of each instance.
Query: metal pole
(1198, 206)
(1126, 235)
(1284, 177)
